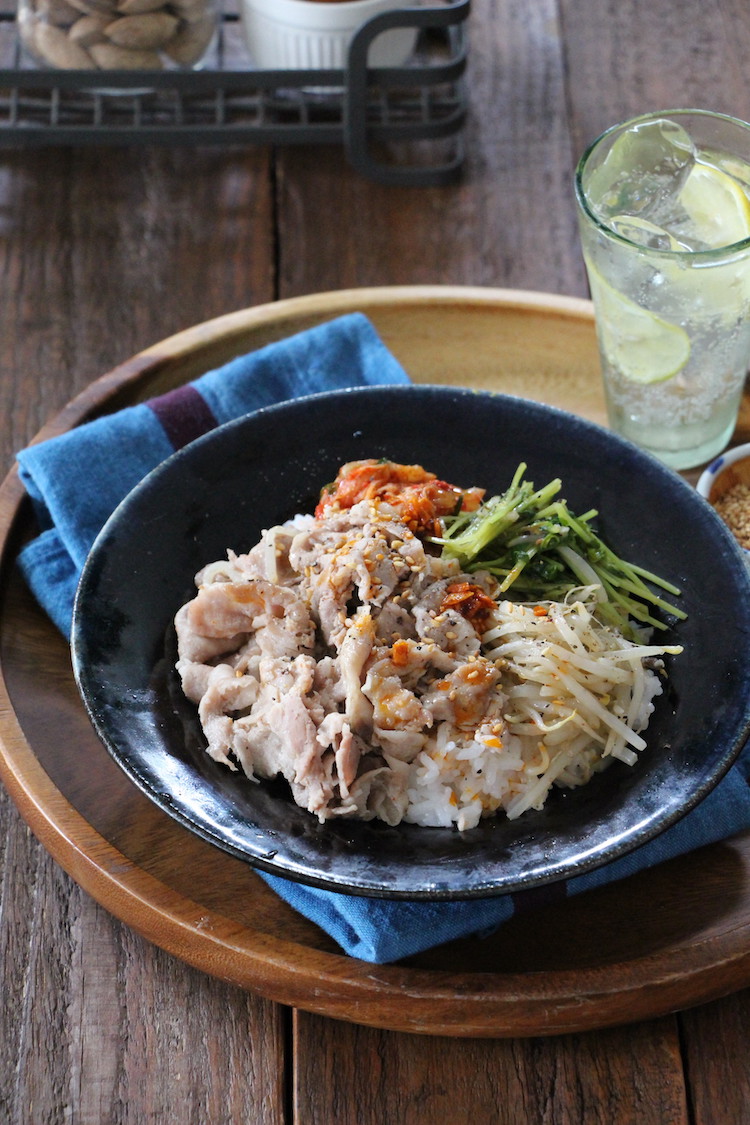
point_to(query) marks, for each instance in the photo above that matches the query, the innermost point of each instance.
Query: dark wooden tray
(657, 942)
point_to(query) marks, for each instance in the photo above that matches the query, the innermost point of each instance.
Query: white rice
(577, 695)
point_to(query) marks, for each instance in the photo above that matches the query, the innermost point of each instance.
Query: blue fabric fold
(76, 480)
(383, 930)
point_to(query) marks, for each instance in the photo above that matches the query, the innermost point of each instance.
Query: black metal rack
(400, 125)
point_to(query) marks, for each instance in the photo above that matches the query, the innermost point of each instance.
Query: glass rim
(719, 252)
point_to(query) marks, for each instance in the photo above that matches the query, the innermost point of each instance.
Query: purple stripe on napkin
(184, 414)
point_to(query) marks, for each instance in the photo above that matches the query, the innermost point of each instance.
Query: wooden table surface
(105, 251)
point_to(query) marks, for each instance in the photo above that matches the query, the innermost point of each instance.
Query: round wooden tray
(657, 942)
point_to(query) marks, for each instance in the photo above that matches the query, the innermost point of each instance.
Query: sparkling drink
(664, 210)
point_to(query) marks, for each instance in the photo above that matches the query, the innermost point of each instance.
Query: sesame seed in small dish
(726, 485)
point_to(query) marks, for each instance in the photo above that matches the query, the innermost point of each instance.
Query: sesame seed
(734, 509)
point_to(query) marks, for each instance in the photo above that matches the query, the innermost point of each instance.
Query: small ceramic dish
(725, 483)
(730, 468)
(315, 34)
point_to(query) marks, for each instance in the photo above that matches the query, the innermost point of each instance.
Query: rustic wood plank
(542, 87)
(716, 1058)
(629, 1075)
(510, 222)
(104, 253)
(623, 61)
(627, 58)
(103, 1026)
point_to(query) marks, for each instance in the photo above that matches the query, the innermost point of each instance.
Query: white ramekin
(731, 466)
(728, 469)
(304, 34)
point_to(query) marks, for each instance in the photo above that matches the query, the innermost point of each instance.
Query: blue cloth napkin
(75, 482)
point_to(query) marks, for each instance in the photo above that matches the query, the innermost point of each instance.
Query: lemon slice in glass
(642, 346)
(735, 166)
(717, 209)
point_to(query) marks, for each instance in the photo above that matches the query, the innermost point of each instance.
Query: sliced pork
(327, 655)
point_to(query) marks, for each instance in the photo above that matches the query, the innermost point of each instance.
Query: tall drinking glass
(664, 213)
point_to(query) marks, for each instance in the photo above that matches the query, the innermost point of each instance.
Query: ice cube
(642, 173)
(645, 233)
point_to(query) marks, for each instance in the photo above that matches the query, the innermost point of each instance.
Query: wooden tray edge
(332, 984)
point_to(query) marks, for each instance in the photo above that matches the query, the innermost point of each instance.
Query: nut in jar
(118, 34)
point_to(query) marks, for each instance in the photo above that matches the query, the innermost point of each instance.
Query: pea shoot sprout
(529, 540)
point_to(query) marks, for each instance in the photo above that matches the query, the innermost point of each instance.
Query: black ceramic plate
(222, 490)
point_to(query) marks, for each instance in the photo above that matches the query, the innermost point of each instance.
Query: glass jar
(118, 34)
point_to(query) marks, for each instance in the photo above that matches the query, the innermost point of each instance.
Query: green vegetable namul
(531, 541)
